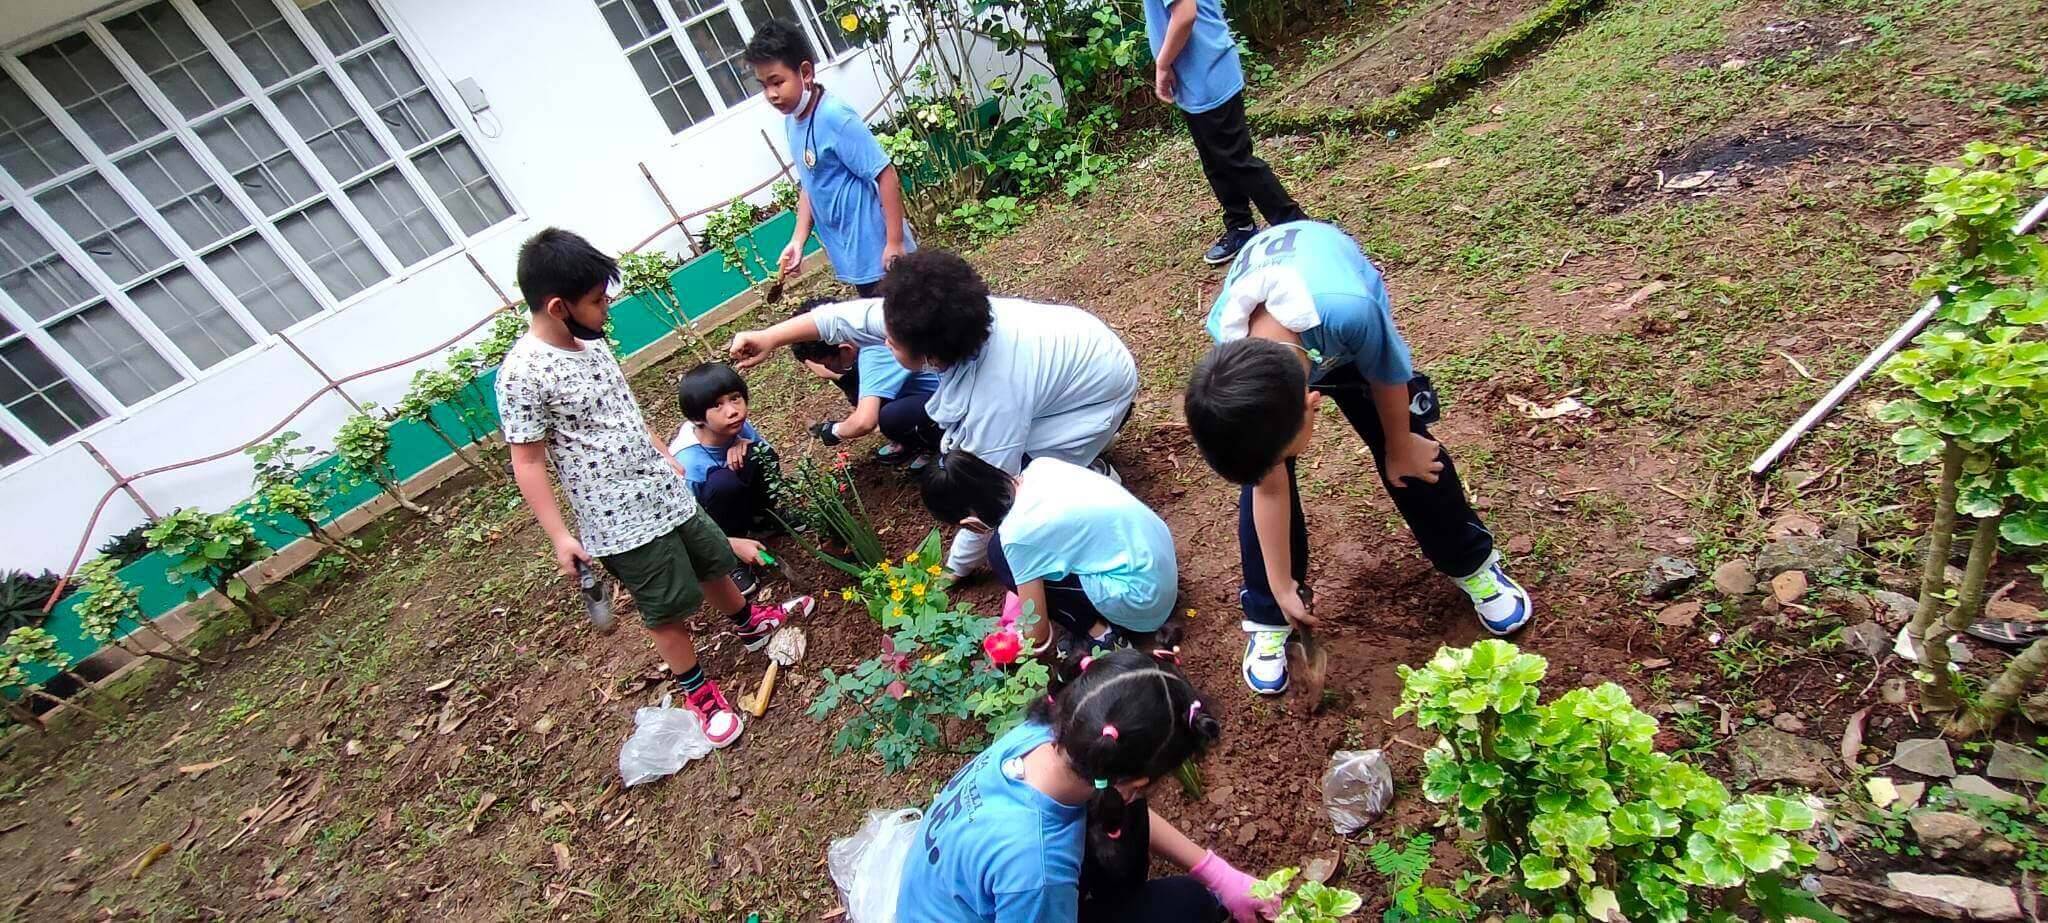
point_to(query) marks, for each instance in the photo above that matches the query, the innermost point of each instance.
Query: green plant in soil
(457, 388)
(1976, 403)
(363, 448)
(1405, 860)
(784, 194)
(1308, 902)
(127, 547)
(650, 272)
(288, 487)
(730, 232)
(1573, 798)
(108, 602)
(29, 647)
(822, 499)
(932, 669)
(22, 597)
(208, 552)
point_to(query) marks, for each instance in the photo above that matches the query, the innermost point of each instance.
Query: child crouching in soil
(1075, 544)
(564, 400)
(884, 395)
(725, 461)
(1049, 824)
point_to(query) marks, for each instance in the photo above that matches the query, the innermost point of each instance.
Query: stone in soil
(1928, 756)
(2015, 763)
(1979, 900)
(1789, 587)
(1679, 615)
(1789, 723)
(1976, 785)
(1893, 608)
(1822, 556)
(1854, 606)
(1669, 576)
(1766, 754)
(1895, 691)
(1910, 794)
(1734, 578)
(1946, 833)
(2012, 609)
(1867, 638)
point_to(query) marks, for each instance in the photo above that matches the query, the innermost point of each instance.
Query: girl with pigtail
(1049, 824)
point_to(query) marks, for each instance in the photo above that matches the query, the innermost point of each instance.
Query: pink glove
(1013, 609)
(1234, 889)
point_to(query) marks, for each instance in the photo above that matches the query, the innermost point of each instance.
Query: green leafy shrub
(1573, 797)
(822, 499)
(457, 388)
(1309, 902)
(1404, 860)
(931, 669)
(110, 602)
(506, 329)
(363, 448)
(208, 552)
(288, 487)
(785, 194)
(28, 647)
(22, 597)
(127, 547)
(650, 273)
(729, 231)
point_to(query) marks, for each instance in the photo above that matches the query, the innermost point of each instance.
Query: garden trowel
(597, 596)
(1307, 661)
(785, 648)
(777, 563)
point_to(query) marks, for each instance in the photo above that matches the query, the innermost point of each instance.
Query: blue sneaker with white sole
(1502, 604)
(1265, 658)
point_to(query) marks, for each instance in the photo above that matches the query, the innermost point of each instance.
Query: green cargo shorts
(666, 576)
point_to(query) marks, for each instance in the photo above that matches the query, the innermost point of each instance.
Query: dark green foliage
(22, 595)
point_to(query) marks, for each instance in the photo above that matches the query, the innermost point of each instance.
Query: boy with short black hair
(884, 395)
(1303, 314)
(564, 400)
(725, 460)
(1195, 67)
(848, 187)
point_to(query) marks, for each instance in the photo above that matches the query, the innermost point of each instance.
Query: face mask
(578, 330)
(803, 101)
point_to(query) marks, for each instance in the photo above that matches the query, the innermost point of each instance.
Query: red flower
(897, 690)
(899, 663)
(1002, 647)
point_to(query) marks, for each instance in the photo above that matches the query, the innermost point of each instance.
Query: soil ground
(436, 738)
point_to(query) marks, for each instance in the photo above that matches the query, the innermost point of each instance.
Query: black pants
(1179, 899)
(1238, 177)
(867, 289)
(739, 501)
(1443, 521)
(905, 421)
(1071, 608)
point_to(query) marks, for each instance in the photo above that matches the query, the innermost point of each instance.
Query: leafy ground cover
(434, 734)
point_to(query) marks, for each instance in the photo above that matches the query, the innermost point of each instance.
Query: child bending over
(884, 395)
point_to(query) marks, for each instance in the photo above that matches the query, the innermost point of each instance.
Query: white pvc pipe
(1906, 331)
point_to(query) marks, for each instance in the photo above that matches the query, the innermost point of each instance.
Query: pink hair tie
(1116, 834)
(1109, 731)
(1085, 661)
(1194, 708)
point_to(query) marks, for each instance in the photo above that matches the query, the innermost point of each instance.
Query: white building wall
(566, 130)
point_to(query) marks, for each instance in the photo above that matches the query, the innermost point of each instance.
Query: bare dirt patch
(1410, 50)
(1808, 40)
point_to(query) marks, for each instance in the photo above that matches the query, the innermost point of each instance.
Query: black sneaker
(744, 577)
(1226, 247)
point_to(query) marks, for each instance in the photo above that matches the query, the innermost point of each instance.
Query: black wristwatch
(823, 430)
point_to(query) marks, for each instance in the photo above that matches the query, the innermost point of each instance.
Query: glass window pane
(86, 84)
(322, 116)
(257, 32)
(164, 44)
(180, 307)
(32, 272)
(105, 227)
(688, 8)
(391, 206)
(718, 43)
(10, 450)
(38, 394)
(100, 339)
(262, 283)
(671, 85)
(31, 149)
(398, 94)
(345, 25)
(326, 242)
(182, 193)
(251, 150)
(632, 21)
(837, 42)
(455, 174)
(760, 11)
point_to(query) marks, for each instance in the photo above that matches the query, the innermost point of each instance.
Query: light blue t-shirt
(1206, 73)
(838, 161)
(1312, 277)
(1066, 519)
(992, 848)
(699, 460)
(882, 376)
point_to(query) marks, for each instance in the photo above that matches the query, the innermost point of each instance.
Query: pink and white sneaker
(722, 722)
(763, 620)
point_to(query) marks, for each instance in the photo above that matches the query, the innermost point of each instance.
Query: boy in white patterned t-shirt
(564, 400)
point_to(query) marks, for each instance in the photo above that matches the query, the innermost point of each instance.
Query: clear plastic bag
(1357, 788)
(868, 866)
(664, 738)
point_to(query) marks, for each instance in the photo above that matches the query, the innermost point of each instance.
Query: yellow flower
(910, 559)
(846, 595)
(849, 22)
(918, 589)
(933, 570)
(895, 612)
(1191, 614)
(897, 595)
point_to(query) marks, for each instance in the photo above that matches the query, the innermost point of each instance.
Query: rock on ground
(1975, 785)
(2015, 763)
(1822, 557)
(1867, 638)
(1734, 578)
(1952, 833)
(1928, 756)
(1893, 608)
(1766, 754)
(1979, 900)
(1669, 576)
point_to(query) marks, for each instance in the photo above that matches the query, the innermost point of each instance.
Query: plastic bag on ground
(1357, 788)
(664, 738)
(868, 866)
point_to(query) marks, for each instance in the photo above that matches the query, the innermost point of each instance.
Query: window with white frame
(180, 180)
(687, 53)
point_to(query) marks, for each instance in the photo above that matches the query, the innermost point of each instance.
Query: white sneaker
(1502, 604)
(1265, 657)
(1102, 467)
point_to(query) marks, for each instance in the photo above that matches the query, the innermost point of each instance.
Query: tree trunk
(1938, 693)
(173, 644)
(167, 655)
(324, 537)
(2019, 675)
(1934, 570)
(397, 492)
(259, 612)
(467, 459)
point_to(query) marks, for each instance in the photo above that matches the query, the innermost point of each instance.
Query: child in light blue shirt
(1195, 67)
(725, 462)
(850, 192)
(884, 395)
